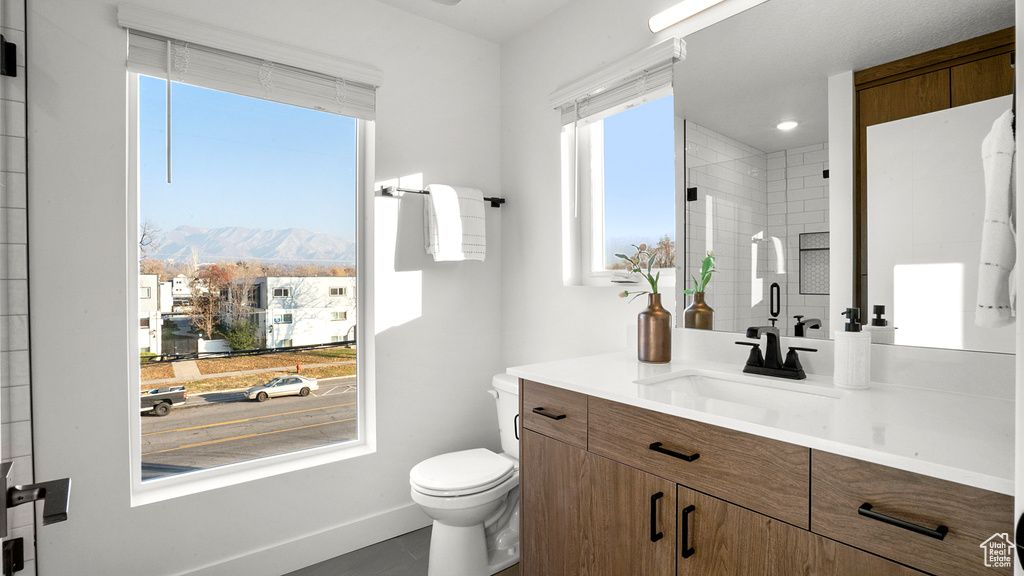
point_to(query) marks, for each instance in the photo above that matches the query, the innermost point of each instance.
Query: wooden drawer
(767, 476)
(554, 412)
(840, 486)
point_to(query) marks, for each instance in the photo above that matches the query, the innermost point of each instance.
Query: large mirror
(792, 243)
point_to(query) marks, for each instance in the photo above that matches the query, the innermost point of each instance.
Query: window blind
(199, 65)
(641, 77)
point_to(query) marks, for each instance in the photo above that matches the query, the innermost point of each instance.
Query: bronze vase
(654, 332)
(698, 314)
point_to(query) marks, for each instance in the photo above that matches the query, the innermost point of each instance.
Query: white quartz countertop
(957, 437)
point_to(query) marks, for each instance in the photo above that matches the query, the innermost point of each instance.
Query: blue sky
(247, 162)
(639, 178)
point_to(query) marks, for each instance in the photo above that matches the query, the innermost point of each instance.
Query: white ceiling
(494, 20)
(743, 75)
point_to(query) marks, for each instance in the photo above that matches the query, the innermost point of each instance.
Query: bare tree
(665, 253)
(149, 236)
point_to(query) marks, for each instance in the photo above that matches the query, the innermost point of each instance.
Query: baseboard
(316, 547)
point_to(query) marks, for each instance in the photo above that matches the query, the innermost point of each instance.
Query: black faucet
(801, 327)
(772, 364)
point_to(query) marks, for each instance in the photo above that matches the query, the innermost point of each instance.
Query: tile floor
(405, 555)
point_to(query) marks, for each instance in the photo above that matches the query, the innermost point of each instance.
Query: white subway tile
(17, 438)
(794, 206)
(17, 333)
(16, 189)
(810, 169)
(15, 154)
(17, 404)
(17, 367)
(17, 226)
(819, 156)
(14, 118)
(806, 193)
(802, 149)
(816, 204)
(816, 216)
(17, 261)
(17, 296)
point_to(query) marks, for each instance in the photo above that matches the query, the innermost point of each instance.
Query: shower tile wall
(731, 177)
(798, 203)
(16, 412)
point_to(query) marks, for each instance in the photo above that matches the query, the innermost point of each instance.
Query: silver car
(282, 386)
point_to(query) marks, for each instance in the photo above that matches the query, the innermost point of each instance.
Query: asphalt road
(224, 428)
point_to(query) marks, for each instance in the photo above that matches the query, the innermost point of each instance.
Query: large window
(245, 196)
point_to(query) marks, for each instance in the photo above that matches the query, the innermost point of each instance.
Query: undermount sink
(725, 392)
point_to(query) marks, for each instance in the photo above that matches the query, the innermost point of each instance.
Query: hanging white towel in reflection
(454, 223)
(997, 290)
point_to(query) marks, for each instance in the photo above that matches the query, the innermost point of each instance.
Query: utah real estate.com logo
(998, 551)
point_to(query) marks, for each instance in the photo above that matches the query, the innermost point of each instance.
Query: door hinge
(8, 57)
(14, 556)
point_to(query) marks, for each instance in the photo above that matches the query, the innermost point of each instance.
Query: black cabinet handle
(684, 523)
(655, 535)
(939, 533)
(515, 426)
(688, 457)
(543, 412)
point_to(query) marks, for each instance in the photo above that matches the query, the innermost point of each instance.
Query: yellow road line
(247, 419)
(209, 442)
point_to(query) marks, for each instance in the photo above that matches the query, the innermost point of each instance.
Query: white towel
(454, 223)
(997, 289)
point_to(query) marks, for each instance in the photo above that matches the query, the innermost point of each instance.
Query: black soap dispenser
(881, 331)
(853, 354)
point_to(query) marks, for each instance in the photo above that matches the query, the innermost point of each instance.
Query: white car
(282, 386)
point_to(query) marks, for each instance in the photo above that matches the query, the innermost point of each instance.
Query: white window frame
(341, 291)
(583, 104)
(145, 292)
(169, 487)
(339, 315)
(589, 222)
(286, 292)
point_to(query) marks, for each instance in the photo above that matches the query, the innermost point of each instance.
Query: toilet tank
(506, 395)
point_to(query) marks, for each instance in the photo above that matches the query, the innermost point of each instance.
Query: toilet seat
(461, 473)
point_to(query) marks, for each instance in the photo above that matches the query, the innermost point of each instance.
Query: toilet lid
(456, 473)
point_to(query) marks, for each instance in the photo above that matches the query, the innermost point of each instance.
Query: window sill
(608, 278)
(167, 488)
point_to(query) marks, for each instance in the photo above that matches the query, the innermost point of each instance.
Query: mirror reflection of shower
(752, 208)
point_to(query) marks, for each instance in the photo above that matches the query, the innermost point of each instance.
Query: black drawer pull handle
(685, 526)
(543, 412)
(688, 457)
(939, 533)
(655, 535)
(515, 425)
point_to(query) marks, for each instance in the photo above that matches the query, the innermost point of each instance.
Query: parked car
(160, 400)
(282, 386)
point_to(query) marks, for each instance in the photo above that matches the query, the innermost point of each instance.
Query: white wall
(438, 114)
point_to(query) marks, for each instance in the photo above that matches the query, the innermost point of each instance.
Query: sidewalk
(187, 373)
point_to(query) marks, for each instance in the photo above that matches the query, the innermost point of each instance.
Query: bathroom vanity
(690, 468)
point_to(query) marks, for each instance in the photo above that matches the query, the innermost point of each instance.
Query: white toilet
(473, 497)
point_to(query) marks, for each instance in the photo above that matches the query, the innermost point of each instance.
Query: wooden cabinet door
(796, 552)
(630, 526)
(981, 79)
(551, 482)
(715, 537)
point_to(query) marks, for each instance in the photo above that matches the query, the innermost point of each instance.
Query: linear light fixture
(678, 13)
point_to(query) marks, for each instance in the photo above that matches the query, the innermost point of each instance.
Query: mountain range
(291, 246)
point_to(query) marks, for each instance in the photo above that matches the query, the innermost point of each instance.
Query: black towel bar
(390, 191)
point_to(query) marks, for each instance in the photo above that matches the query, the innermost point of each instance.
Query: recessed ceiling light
(678, 13)
(787, 125)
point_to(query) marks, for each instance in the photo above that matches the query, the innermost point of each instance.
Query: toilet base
(457, 551)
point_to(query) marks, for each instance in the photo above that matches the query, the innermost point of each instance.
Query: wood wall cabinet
(613, 507)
